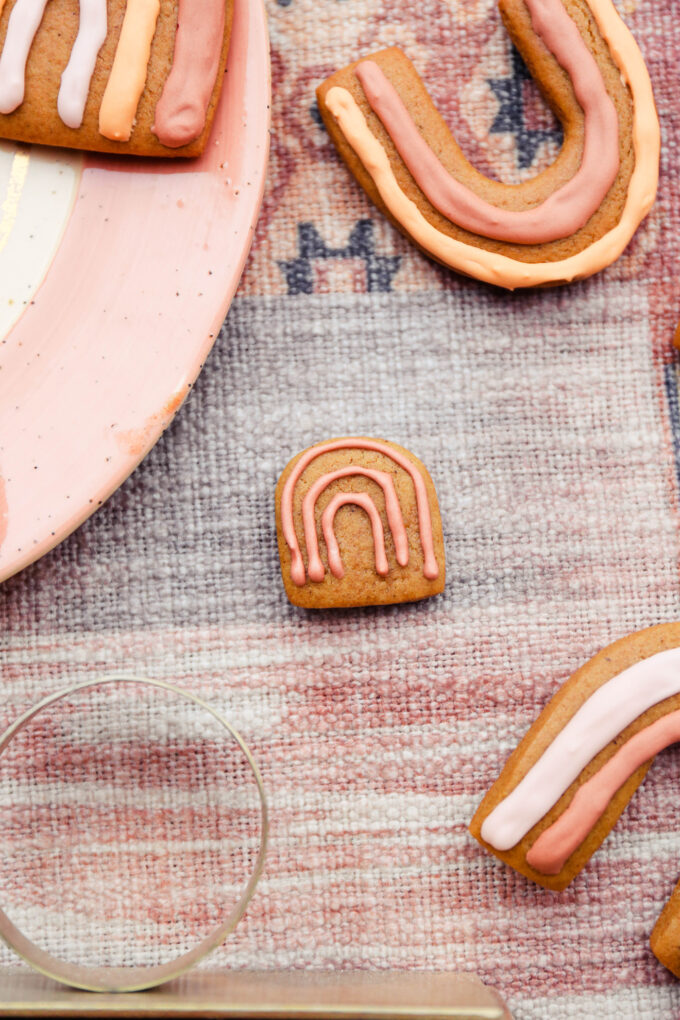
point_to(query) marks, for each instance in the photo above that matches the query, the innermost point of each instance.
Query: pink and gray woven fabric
(550, 423)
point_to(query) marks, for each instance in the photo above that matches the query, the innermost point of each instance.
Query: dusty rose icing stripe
(598, 721)
(24, 22)
(297, 568)
(181, 110)
(363, 500)
(554, 846)
(75, 81)
(572, 205)
(315, 567)
(128, 73)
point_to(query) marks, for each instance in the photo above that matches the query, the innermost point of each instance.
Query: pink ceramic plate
(115, 277)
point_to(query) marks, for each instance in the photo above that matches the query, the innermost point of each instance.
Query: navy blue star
(299, 272)
(510, 117)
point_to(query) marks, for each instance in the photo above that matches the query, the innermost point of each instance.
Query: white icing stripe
(599, 720)
(75, 81)
(23, 24)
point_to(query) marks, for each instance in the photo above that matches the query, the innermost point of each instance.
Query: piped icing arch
(363, 500)
(386, 548)
(315, 567)
(446, 200)
(297, 568)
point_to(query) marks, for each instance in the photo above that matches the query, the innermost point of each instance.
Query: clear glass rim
(132, 979)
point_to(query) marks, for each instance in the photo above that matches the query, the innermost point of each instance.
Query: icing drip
(297, 567)
(181, 110)
(491, 266)
(572, 205)
(24, 22)
(553, 847)
(363, 500)
(75, 81)
(128, 73)
(599, 720)
(315, 567)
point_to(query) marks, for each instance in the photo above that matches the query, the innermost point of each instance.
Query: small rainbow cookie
(358, 524)
(564, 787)
(124, 76)
(572, 219)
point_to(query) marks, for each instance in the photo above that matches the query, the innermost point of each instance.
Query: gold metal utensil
(267, 995)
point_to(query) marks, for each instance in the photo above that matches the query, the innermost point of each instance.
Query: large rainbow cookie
(358, 524)
(571, 777)
(141, 76)
(571, 220)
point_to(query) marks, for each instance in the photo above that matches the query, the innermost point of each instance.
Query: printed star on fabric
(512, 115)
(378, 270)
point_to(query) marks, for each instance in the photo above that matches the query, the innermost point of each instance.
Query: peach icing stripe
(24, 22)
(297, 567)
(492, 267)
(128, 73)
(181, 110)
(567, 209)
(600, 719)
(315, 567)
(553, 847)
(75, 81)
(363, 500)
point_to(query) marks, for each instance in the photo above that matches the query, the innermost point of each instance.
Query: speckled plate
(115, 277)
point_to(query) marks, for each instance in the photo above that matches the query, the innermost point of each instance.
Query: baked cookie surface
(565, 786)
(573, 218)
(358, 524)
(138, 77)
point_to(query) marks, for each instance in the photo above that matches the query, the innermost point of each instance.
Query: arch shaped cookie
(564, 787)
(572, 219)
(358, 524)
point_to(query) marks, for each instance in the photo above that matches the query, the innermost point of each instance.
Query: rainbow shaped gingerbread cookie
(358, 524)
(571, 220)
(128, 76)
(564, 787)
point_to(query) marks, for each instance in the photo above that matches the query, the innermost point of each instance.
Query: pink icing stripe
(554, 846)
(363, 500)
(572, 205)
(297, 567)
(315, 567)
(181, 110)
(598, 721)
(23, 24)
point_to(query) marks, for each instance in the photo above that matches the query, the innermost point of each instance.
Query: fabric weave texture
(550, 424)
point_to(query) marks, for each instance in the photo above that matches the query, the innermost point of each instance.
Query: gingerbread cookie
(358, 524)
(564, 787)
(125, 76)
(571, 220)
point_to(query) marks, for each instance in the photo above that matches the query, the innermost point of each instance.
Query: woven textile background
(550, 423)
